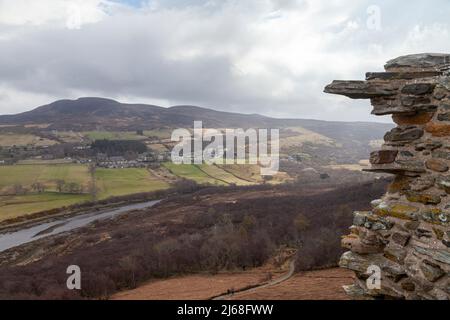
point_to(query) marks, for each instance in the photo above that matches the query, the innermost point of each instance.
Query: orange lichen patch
(400, 184)
(437, 129)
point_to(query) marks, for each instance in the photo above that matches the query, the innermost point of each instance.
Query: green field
(117, 182)
(206, 174)
(26, 175)
(223, 175)
(14, 139)
(111, 182)
(191, 172)
(160, 134)
(14, 206)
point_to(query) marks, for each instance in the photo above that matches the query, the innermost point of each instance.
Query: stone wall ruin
(407, 233)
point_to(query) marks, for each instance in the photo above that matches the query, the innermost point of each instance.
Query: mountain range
(90, 113)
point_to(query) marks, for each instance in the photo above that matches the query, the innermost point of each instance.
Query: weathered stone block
(401, 75)
(422, 183)
(435, 215)
(418, 89)
(428, 145)
(409, 101)
(361, 89)
(415, 119)
(444, 183)
(436, 165)
(408, 285)
(409, 133)
(397, 255)
(400, 184)
(431, 271)
(383, 156)
(383, 105)
(440, 93)
(421, 62)
(411, 165)
(440, 255)
(423, 198)
(400, 211)
(401, 238)
(356, 245)
(441, 154)
(444, 116)
(360, 218)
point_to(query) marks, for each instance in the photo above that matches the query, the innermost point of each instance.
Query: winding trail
(279, 280)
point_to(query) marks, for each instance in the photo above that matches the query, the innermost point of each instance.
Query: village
(112, 154)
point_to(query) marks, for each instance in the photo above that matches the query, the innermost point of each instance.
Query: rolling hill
(340, 142)
(92, 113)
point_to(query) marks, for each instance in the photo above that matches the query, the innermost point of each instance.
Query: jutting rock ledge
(407, 232)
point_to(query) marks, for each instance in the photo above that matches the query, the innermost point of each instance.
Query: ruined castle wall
(407, 233)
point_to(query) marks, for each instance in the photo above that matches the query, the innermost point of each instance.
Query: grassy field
(239, 174)
(157, 147)
(252, 173)
(116, 182)
(70, 136)
(160, 134)
(14, 206)
(191, 172)
(111, 182)
(297, 136)
(248, 172)
(26, 175)
(223, 175)
(13, 139)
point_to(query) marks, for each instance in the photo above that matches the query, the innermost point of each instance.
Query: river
(17, 238)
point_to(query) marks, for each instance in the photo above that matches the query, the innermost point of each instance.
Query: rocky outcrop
(407, 233)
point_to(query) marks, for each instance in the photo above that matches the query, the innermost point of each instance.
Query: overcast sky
(271, 57)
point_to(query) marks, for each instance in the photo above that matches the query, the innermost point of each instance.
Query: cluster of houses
(142, 160)
(21, 154)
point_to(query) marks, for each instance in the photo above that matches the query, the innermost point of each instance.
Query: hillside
(321, 142)
(210, 231)
(91, 113)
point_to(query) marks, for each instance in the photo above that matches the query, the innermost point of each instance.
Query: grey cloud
(191, 56)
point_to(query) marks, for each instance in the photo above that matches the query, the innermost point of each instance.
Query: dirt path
(310, 285)
(279, 280)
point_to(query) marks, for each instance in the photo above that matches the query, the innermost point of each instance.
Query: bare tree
(92, 169)
(18, 189)
(38, 187)
(93, 190)
(92, 186)
(60, 185)
(74, 187)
